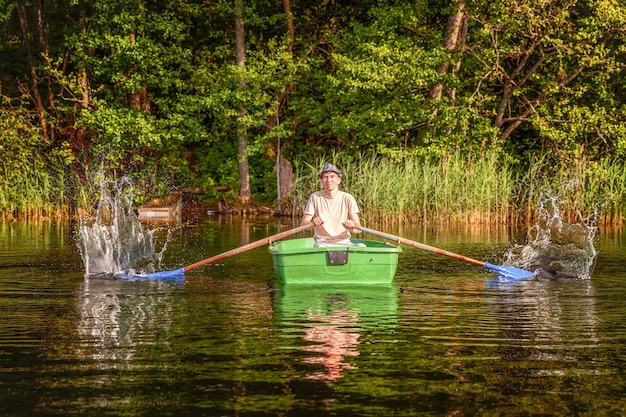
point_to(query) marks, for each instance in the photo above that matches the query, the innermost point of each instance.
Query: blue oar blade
(167, 274)
(510, 272)
(177, 274)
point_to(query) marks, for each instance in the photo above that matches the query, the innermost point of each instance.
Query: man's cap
(330, 168)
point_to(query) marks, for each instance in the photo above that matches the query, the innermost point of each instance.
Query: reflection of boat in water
(333, 320)
(376, 306)
(297, 261)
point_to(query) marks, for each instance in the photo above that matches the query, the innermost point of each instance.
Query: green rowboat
(296, 261)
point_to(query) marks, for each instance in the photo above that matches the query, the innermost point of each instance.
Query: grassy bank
(32, 195)
(475, 189)
(457, 188)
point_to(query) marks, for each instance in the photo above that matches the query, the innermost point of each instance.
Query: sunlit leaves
(552, 60)
(147, 81)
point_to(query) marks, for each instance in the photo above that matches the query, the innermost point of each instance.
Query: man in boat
(335, 213)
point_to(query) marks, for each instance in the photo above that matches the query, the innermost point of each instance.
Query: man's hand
(349, 224)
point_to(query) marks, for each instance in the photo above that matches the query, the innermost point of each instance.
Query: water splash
(556, 248)
(113, 242)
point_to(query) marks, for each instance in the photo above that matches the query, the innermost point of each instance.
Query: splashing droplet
(113, 242)
(556, 248)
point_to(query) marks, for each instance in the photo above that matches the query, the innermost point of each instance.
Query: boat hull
(296, 261)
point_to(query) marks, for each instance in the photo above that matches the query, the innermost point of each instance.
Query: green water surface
(229, 340)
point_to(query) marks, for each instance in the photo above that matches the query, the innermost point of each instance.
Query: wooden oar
(505, 271)
(181, 271)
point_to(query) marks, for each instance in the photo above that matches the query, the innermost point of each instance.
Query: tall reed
(31, 193)
(27, 182)
(470, 188)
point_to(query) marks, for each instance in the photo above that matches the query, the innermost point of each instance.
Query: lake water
(442, 340)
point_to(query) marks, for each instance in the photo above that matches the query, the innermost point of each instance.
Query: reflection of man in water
(333, 340)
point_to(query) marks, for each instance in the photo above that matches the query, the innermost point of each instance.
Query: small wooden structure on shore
(162, 210)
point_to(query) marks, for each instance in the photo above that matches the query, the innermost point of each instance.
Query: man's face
(330, 181)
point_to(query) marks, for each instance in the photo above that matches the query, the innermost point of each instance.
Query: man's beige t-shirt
(333, 211)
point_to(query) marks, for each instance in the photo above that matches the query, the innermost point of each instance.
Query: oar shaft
(421, 246)
(256, 244)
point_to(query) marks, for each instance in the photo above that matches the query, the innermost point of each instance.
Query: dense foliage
(154, 89)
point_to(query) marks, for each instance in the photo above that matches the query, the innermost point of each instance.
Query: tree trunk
(240, 55)
(290, 29)
(138, 99)
(43, 45)
(82, 72)
(284, 170)
(286, 182)
(455, 31)
(32, 91)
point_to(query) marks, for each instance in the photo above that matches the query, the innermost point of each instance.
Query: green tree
(157, 90)
(127, 64)
(550, 70)
(379, 93)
